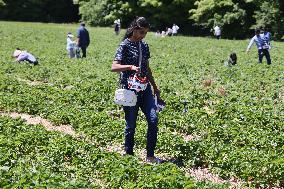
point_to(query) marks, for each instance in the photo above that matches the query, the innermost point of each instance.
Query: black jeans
(33, 62)
(84, 51)
(264, 52)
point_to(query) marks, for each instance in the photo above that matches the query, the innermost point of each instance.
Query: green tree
(163, 13)
(2, 3)
(270, 15)
(44, 10)
(229, 15)
(237, 18)
(160, 13)
(102, 12)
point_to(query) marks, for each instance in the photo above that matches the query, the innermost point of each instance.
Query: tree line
(39, 10)
(237, 18)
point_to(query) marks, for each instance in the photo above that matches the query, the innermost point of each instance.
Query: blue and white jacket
(260, 41)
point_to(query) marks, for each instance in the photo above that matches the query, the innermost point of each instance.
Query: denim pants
(264, 52)
(71, 53)
(145, 101)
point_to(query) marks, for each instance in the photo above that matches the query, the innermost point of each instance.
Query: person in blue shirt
(131, 58)
(83, 39)
(267, 34)
(262, 46)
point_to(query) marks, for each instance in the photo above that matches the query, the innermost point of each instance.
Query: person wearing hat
(70, 45)
(83, 39)
(20, 56)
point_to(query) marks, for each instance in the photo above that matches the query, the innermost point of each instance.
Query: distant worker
(83, 39)
(158, 33)
(117, 26)
(20, 56)
(175, 29)
(262, 46)
(232, 60)
(169, 32)
(217, 32)
(70, 45)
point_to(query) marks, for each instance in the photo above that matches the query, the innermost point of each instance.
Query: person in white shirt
(262, 45)
(70, 47)
(169, 32)
(158, 33)
(175, 29)
(217, 32)
(117, 26)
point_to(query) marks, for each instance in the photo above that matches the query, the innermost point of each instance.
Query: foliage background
(237, 18)
(39, 11)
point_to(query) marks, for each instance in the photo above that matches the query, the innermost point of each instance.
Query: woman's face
(139, 34)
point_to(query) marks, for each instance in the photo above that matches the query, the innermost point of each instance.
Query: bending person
(20, 56)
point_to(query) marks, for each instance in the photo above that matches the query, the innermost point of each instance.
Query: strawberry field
(229, 121)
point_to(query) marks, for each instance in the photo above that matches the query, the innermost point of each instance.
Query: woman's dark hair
(233, 58)
(138, 22)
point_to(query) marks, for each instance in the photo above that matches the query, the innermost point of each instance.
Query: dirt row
(200, 174)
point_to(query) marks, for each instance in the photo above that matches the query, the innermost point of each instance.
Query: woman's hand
(160, 101)
(117, 66)
(135, 68)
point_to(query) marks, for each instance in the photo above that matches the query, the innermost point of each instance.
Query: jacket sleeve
(250, 43)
